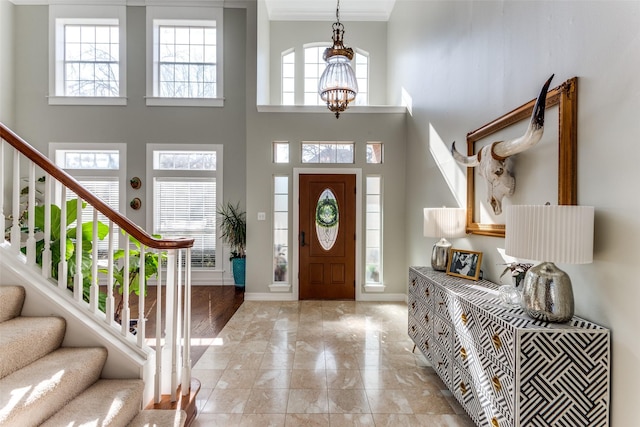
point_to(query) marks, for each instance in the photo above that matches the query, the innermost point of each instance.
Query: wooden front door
(327, 239)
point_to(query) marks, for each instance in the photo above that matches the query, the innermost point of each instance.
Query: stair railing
(173, 358)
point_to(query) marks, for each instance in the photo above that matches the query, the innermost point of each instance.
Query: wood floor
(211, 309)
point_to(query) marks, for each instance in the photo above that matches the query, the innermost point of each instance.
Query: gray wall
(295, 128)
(466, 63)
(369, 36)
(7, 47)
(134, 124)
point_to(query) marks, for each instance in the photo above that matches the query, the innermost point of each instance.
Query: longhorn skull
(493, 159)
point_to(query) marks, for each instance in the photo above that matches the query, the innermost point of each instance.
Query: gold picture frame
(566, 97)
(465, 264)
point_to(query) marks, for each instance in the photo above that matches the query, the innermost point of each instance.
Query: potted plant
(233, 231)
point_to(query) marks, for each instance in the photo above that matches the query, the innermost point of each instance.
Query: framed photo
(561, 127)
(465, 264)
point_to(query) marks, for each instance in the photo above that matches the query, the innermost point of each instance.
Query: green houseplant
(233, 231)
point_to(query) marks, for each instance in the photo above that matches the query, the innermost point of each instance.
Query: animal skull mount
(493, 160)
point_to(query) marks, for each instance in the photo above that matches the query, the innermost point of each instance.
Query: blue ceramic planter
(238, 267)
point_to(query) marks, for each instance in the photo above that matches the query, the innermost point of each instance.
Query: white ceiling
(325, 10)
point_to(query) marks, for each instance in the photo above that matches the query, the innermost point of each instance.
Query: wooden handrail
(67, 180)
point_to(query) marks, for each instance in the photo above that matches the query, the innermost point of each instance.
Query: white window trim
(282, 55)
(363, 52)
(120, 173)
(222, 265)
(168, 14)
(59, 16)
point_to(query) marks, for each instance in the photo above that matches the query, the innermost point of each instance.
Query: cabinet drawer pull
(496, 341)
(496, 383)
(441, 303)
(413, 282)
(440, 363)
(494, 422)
(464, 319)
(426, 345)
(426, 318)
(441, 333)
(426, 292)
(413, 328)
(463, 353)
(413, 305)
(463, 388)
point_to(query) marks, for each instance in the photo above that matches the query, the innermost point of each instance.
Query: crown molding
(168, 3)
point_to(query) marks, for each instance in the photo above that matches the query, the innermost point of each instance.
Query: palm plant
(233, 228)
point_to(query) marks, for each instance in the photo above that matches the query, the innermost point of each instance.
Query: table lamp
(442, 223)
(562, 234)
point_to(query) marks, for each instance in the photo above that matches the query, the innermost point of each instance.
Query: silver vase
(547, 294)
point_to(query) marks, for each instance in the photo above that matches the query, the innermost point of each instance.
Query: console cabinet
(505, 368)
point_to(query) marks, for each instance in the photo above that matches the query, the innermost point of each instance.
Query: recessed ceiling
(325, 10)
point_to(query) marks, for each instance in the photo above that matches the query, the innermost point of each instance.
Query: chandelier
(338, 85)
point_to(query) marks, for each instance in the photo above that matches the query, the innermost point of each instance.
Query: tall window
(98, 168)
(87, 60)
(186, 62)
(288, 77)
(314, 65)
(373, 273)
(361, 60)
(185, 195)
(186, 56)
(91, 59)
(280, 229)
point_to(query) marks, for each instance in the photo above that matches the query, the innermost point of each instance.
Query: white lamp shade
(562, 234)
(444, 222)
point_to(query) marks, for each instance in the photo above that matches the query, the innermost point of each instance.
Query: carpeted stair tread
(106, 403)
(11, 301)
(31, 395)
(159, 418)
(18, 336)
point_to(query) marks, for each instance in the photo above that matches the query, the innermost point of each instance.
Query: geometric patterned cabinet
(505, 368)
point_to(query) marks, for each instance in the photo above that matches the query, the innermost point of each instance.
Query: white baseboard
(261, 296)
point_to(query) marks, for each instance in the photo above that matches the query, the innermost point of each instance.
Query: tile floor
(320, 363)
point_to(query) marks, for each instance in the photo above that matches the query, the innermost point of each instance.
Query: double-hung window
(186, 186)
(184, 56)
(87, 55)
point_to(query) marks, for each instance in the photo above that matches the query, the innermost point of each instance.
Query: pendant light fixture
(338, 85)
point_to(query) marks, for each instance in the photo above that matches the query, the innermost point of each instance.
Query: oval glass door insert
(327, 219)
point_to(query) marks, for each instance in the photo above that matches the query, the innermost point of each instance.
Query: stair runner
(42, 383)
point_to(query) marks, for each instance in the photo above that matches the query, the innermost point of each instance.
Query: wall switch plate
(262, 216)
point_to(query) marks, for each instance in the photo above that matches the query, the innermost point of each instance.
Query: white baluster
(125, 315)
(94, 293)
(77, 284)
(174, 325)
(109, 309)
(46, 251)
(2, 217)
(141, 293)
(15, 227)
(159, 349)
(31, 216)
(63, 265)
(186, 352)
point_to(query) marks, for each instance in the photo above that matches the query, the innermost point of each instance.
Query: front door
(327, 239)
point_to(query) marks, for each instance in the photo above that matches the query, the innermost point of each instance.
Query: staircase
(42, 383)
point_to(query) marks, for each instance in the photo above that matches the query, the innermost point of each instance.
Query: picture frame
(464, 263)
(565, 96)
